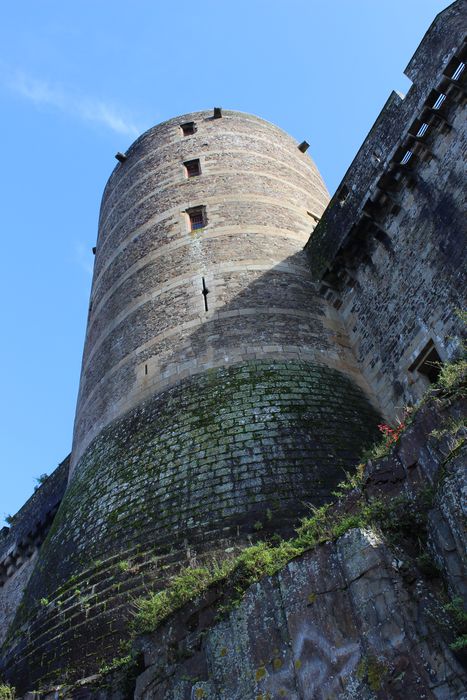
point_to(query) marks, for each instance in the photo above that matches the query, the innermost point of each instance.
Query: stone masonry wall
(390, 250)
(21, 542)
(226, 456)
(148, 327)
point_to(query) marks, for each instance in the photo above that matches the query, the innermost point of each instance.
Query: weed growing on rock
(398, 518)
(452, 378)
(372, 670)
(121, 662)
(459, 615)
(7, 692)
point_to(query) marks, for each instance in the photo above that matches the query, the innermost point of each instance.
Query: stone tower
(217, 396)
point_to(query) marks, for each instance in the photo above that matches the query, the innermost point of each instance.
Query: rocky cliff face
(365, 616)
(372, 610)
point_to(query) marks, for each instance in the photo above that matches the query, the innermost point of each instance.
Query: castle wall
(201, 427)
(390, 249)
(198, 428)
(20, 543)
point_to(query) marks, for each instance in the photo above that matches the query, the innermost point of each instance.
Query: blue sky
(80, 80)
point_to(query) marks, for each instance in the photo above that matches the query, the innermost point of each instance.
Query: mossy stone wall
(229, 455)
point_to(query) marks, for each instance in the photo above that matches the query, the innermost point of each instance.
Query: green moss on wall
(191, 471)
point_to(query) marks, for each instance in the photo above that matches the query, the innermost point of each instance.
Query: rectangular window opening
(457, 73)
(192, 167)
(428, 362)
(439, 101)
(197, 218)
(145, 369)
(188, 129)
(422, 131)
(408, 155)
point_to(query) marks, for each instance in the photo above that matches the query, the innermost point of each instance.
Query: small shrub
(7, 692)
(183, 587)
(460, 643)
(459, 615)
(391, 436)
(456, 609)
(351, 481)
(119, 662)
(452, 377)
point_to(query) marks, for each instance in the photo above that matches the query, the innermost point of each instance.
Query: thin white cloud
(83, 257)
(87, 109)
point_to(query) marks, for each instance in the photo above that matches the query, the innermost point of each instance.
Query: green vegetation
(449, 427)
(7, 692)
(372, 670)
(121, 662)
(44, 602)
(351, 481)
(460, 643)
(399, 518)
(452, 379)
(459, 615)
(451, 384)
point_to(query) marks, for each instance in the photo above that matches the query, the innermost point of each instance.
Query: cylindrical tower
(214, 401)
(198, 261)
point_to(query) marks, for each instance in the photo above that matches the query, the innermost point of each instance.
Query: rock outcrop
(361, 617)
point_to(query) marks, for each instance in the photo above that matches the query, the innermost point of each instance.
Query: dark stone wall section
(20, 543)
(389, 251)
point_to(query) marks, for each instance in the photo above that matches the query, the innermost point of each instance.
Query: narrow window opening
(197, 218)
(422, 131)
(408, 155)
(205, 292)
(188, 129)
(192, 167)
(145, 369)
(428, 363)
(439, 101)
(457, 73)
